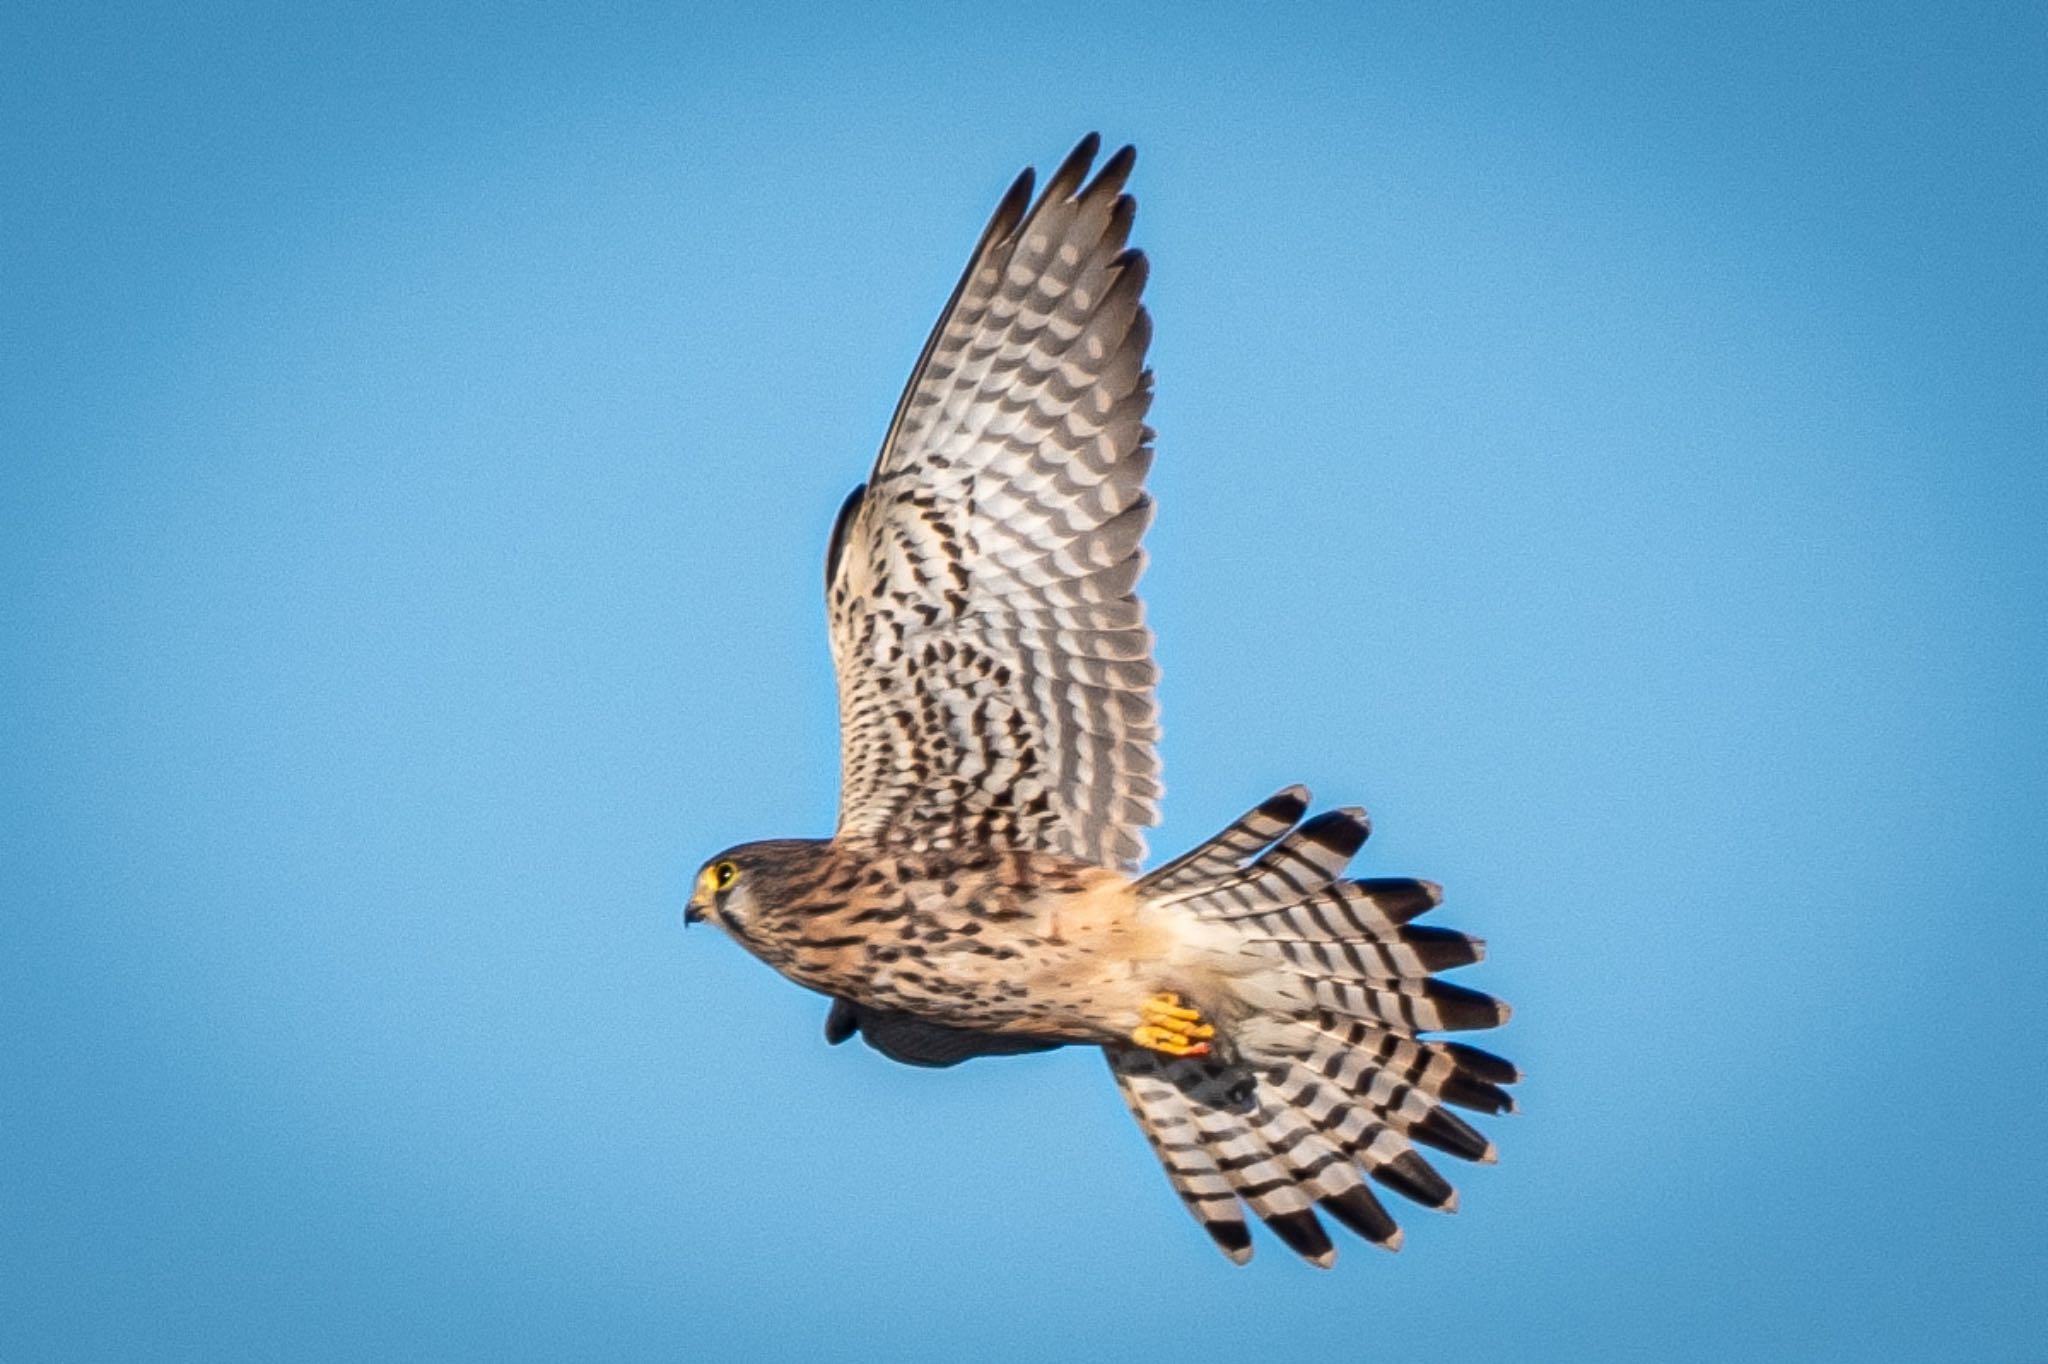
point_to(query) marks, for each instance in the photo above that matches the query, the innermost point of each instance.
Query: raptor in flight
(1264, 1014)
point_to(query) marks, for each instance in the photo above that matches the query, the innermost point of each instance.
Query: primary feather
(995, 672)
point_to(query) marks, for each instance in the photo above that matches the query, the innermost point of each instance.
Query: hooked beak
(693, 913)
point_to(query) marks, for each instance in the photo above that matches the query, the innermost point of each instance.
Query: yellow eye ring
(723, 875)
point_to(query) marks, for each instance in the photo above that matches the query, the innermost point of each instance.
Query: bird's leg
(1172, 1027)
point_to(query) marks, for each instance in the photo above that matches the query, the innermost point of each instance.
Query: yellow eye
(722, 875)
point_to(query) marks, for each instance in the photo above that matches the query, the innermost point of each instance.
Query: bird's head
(737, 886)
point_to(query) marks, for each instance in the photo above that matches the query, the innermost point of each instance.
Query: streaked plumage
(995, 672)
(1261, 1012)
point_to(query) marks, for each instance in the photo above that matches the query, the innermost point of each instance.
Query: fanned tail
(1325, 1087)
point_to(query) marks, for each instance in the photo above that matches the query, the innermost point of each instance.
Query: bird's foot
(1171, 1027)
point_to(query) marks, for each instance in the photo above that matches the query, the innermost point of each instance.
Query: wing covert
(995, 671)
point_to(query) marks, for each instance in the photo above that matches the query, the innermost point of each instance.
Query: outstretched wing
(995, 673)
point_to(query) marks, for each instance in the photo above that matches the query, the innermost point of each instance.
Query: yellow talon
(1171, 1027)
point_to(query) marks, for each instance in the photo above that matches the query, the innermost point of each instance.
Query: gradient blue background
(1608, 444)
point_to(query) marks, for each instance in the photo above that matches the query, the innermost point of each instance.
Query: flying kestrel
(1262, 1013)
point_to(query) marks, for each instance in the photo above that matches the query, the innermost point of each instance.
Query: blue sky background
(1605, 440)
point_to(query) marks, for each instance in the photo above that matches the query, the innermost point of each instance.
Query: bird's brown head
(742, 883)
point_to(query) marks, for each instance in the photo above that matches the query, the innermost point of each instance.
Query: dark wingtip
(1401, 898)
(1122, 214)
(1304, 1236)
(1409, 1175)
(1287, 806)
(1481, 1096)
(1464, 1010)
(1447, 1131)
(1484, 1064)
(841, 1023)
(1115, 171)
(1074, 169)
(1364, 1216)
(1233, 1238)
(1442, 949)
(1341, 832)
(1015, 201)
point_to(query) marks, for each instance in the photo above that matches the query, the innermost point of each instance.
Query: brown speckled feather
(995, 672)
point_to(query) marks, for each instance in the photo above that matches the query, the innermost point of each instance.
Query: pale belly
(1074, 966)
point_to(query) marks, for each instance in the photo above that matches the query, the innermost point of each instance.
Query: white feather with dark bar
(995, 672)
(1327, 1083)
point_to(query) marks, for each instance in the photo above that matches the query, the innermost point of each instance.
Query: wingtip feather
(1234, 1239)
(1286, 806)
(1011, 208)
(1114, 172)
(1073, 169)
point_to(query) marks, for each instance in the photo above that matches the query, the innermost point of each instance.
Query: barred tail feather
(1227, 850)
(1227, 1146)
(1325, 1088)
(1169, 1112)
